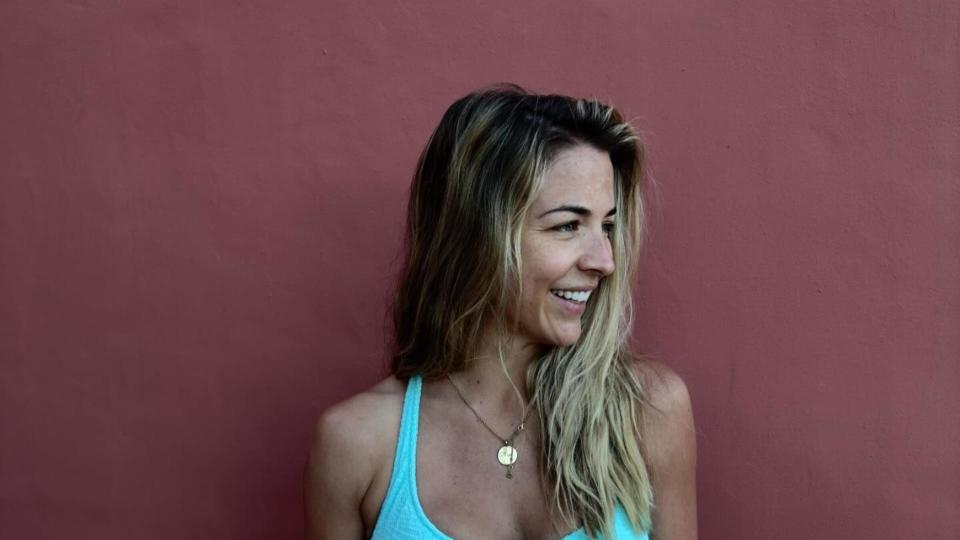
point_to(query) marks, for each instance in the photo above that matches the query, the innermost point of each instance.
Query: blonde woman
(514, 408)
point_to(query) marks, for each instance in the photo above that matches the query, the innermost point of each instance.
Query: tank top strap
(403, 483)
(409, 422)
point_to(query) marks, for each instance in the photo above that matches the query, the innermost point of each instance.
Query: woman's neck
(485, 383)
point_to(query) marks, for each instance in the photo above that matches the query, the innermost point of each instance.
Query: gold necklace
(507, 455)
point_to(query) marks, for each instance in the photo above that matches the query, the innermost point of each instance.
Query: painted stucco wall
(201, 205)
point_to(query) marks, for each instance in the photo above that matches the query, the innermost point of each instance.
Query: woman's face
(565, 246)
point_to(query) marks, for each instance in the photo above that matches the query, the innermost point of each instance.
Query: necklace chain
(508, 459)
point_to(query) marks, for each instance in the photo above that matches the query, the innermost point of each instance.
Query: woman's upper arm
(336, 477)
(670, 450)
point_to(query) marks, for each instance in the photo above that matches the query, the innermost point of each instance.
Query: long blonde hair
(475, 181)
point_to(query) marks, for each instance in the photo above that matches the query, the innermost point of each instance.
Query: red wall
(200, 210)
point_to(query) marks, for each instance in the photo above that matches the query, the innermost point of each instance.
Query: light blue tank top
(401, 515)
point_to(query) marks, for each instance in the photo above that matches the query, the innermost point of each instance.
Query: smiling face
(565, 245)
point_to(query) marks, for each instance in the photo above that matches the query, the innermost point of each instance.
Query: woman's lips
(569, 306)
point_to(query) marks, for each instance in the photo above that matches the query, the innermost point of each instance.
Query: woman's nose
(598, 255)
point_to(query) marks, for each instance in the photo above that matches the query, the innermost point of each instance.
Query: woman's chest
(466, 490)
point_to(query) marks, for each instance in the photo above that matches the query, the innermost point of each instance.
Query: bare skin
(461, 486)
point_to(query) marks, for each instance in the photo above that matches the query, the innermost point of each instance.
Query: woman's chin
(567, 339)
(553, 333)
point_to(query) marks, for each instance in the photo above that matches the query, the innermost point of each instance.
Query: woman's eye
(574, 226)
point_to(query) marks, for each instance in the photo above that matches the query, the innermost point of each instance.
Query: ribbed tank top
(401, 515)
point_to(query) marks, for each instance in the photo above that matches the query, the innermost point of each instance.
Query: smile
(580, 297)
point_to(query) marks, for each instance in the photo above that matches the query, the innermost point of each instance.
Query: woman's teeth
(574, 296)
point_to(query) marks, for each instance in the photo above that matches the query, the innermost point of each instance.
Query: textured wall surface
(201, 205)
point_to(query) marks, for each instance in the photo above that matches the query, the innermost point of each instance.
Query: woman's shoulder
(353, 440)
(668, 441)
(358, 424)
(668, 432)
(662, 386)
(372, 406)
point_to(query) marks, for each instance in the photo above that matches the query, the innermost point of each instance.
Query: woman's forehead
(580, 175)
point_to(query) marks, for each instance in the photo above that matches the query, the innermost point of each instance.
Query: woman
(514, 408)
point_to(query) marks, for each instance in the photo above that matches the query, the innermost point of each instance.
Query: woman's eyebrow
(579, 210)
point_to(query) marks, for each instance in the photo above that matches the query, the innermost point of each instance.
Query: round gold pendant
(507, 455)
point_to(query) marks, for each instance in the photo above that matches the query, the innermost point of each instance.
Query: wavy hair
(475, 180)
